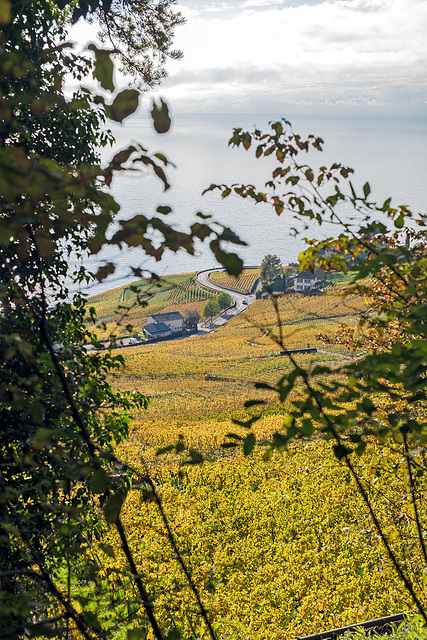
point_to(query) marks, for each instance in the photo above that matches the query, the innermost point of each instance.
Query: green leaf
(341, 451)
(386, 205)
(122, 156)
(368, 405)
(99, 481)
(125, 103)
(164, 210)
(307, 427)
(246, 140)
(148, 495)
(400, 221)
(232, 263)
(10, 528)
(104, 67)
(45, 245)
(360, 448)
(91, 619)
(366, 189)
(65, 529)
(249, 444)
(26, 350)
(162, 158)
(40, 439)
(280, 441)
(113, 506)
(246, 423)
(160, 117)
(107, 549)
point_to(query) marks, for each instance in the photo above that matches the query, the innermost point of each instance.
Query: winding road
(241, 301)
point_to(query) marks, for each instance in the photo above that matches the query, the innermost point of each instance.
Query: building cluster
(164, 325)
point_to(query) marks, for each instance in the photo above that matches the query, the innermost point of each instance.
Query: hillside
(146, 296)
(143, 297)
(278, 548)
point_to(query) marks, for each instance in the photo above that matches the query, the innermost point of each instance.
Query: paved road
(241, 301)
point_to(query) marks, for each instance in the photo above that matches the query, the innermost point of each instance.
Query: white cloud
(262, 3)
(369, 52)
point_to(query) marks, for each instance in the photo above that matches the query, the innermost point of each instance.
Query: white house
(163, 324)
(157, 330)
(305, 281)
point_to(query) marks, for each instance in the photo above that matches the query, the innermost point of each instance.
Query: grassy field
(278, 548)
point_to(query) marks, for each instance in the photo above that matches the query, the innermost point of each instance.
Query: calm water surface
(389, 153)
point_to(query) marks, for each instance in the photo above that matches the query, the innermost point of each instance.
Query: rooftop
(307, 275)
(164, 317)
(156, 327)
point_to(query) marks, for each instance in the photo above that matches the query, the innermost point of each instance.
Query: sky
(349, 57)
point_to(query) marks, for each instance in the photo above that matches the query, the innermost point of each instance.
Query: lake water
(389, 153)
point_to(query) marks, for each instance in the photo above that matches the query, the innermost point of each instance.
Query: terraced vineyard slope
(279, 547)
(171, 293)
(244, 283)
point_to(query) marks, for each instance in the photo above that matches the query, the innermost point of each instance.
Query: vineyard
(277, 548)
(244, 283)
(296, 308)
(171, 293)
(173, 289)
(189, 291)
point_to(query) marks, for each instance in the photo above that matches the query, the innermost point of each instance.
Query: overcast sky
(353, 57)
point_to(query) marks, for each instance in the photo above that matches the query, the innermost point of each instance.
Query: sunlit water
(389, 153)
